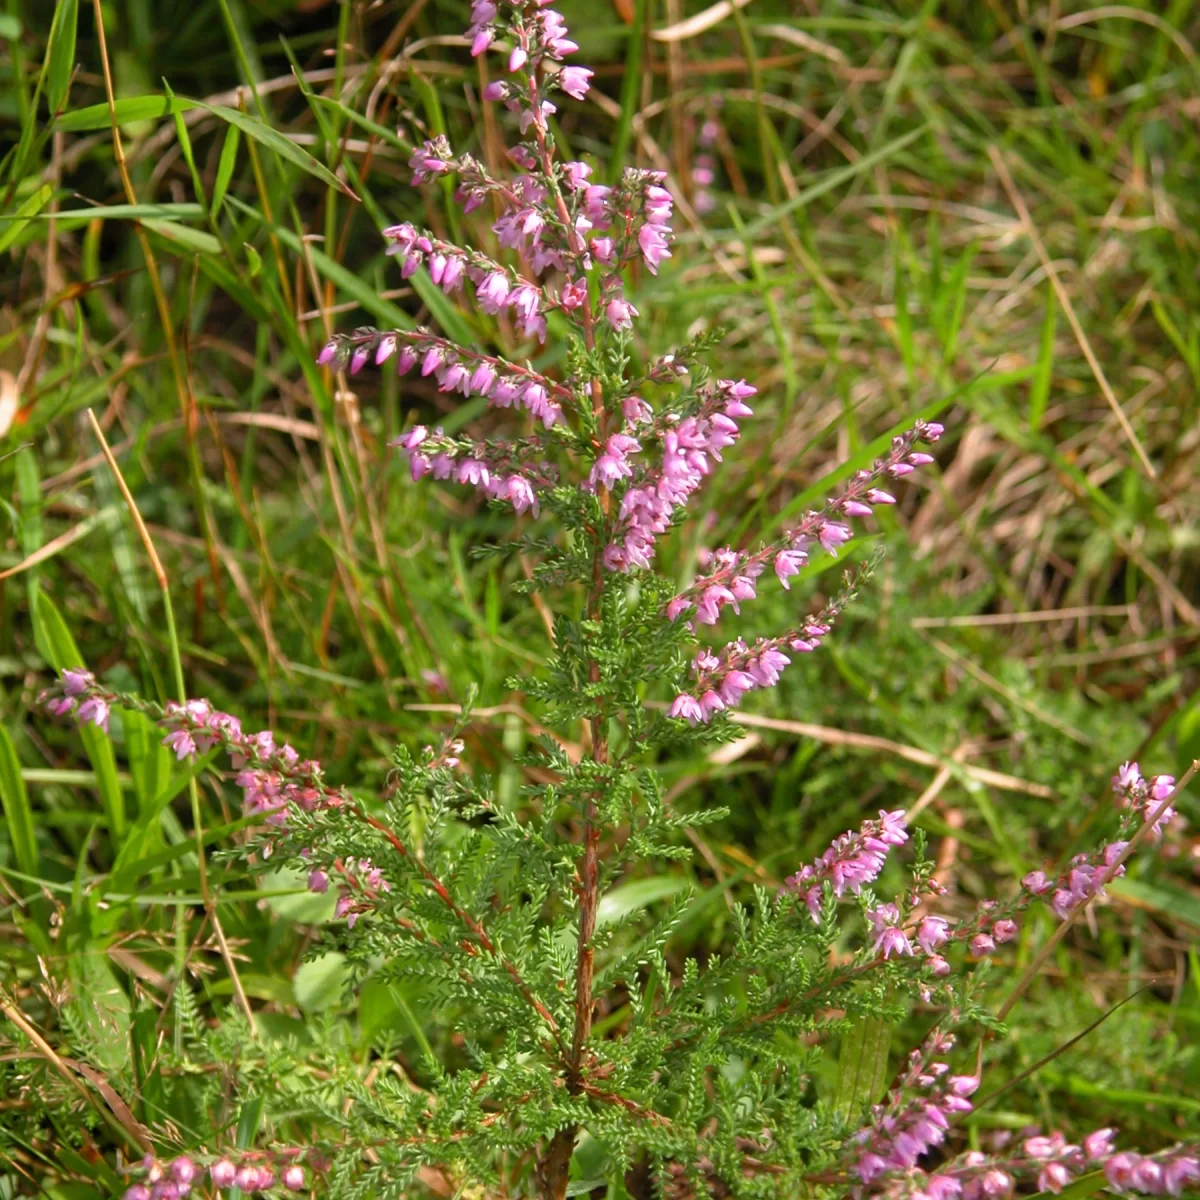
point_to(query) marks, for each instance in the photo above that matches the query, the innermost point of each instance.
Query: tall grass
(985, 211)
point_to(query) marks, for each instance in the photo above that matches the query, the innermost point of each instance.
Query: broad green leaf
(183, 235)
(1039, 388)
(1187, 738)
(164, 212)
(248, 1122)
(128, 110)
(274, 140)
(17, 814)
(1085, 1185)
(60, 56)
(11, 225)
(101, 1005)
(1168, 899)
(149, 760)
(862, 1065)
(621, 903)
(303, 907)
(56, 644)
(225, 165)
(318, 983)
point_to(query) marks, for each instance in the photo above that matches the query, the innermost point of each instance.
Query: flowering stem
(160, 574)
(1110, 873)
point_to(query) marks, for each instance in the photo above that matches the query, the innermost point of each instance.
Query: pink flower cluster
(490, 469)
(703, 171)
(275, 780)
(174, 1180)
(1142, 796)
(690, 447)
(77, 700)
(853, 860)
(496, 288)
(1052, 1164)
(737, 571)
(1081, 883)
(917, 1115)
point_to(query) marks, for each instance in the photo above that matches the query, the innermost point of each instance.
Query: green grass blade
(129, 109)
(1039, 388)
(275, 141)
(58, 646)
(60, 57)
(17, 813)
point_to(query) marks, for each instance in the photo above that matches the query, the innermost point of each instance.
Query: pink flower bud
(222, 1173)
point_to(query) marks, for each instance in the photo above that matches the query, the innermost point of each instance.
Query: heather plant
(700, 1080)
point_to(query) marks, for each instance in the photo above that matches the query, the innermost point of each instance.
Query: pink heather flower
(1181, 1171)
(1161, 786)
(688, 709)
(183, 1170)
(576, 175)
(493, 292)
(247, 1179)
(767, 666)
(519, 492)
(1099, 1144)
(920, 459)
(139, 1191)
(677, 606)
(854, 508)
(787, 563)
(603, 249)
(405, 360)
(943, 1187)
(1004, 930)
(938, 965)
(496, 90)
(620, 313)
(653, 245)
(870, 1167)
(1036, 882)
(574, 81)
(573, 294)
(293, 1178)
(181, 742)
(517, 59)
(318, 881)
(1119, 1170)
(982, 944)
(964, 1085)
(76, 682)
(932, 932)
(635, 410)
(94, 711)
(833, 534)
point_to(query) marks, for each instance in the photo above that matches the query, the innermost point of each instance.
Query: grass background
(987, 210)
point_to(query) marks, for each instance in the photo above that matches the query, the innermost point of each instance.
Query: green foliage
(874, 271)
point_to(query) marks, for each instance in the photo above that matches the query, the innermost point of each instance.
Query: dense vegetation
(983, 214)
